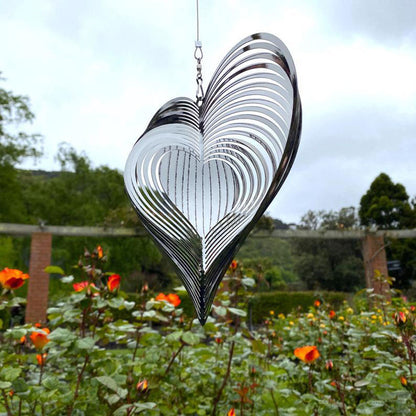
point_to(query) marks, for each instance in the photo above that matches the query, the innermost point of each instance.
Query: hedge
(284, 302)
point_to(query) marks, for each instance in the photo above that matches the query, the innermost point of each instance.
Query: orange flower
(231, 412)
(233, 265)
(12, 278)
(218, 340)
(41, 358)
(79, 287)
(40, 339)
(22, 340)
(171, 298)
(99, 252)
(161, 296)
(307, 354)
(317, 303)
(142, 386)
(403, 380)
(332, 314)
(174, 299)
(113, 282)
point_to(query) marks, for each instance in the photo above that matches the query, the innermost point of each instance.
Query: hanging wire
(198, 55)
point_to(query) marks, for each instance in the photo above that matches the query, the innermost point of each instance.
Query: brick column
(375, 260)
(37, 295)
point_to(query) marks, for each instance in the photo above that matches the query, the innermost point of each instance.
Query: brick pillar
(375, 260)
(37, 295)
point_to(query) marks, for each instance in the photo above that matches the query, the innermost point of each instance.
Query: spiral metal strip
(201, 176)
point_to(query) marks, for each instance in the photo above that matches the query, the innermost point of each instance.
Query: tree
(329, 264)
(14, 148)
(387, 206)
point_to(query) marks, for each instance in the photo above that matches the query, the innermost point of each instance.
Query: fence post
(38, 290)
(374, 254)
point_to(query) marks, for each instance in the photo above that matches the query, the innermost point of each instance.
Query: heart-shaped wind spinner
(200, 176)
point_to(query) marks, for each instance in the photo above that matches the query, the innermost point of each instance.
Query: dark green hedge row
(280, 302)
(285, 302)
(262, 303)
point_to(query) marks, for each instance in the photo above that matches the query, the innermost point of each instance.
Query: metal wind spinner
(205, 171)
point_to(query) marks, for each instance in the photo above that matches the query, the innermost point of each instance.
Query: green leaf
(116, 303)
(54, 270)
(190, 338)
(85, 343)
(238, 312)
(62, 335)
(129, 305)
(112, 385)
(5, 384)
(20, 385)
(362, 383)
(219, 310)
(10, 373)
(248, 282)
(50, 382)
(67, 279)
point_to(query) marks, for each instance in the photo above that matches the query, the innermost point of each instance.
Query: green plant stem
(79, 378)
(6, 403)
(276, 408)
(341, 394)
(224, 382)
(410, 355)
(174, 355)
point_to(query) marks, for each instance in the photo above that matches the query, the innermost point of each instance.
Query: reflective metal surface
(200, 176)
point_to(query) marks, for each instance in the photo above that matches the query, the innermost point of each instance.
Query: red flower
(332, 314)
(231, 412)
(41, 358)
(233, 265)
(12, 278)
(317, 303)
(171, 298)
(40, 339)
(307, 354)
(113, 282)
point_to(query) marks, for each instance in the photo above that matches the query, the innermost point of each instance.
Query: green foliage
(387, 205)
(286, 302)
(15, 146)
(159, 362)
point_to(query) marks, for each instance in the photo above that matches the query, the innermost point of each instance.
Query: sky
(96, 71)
